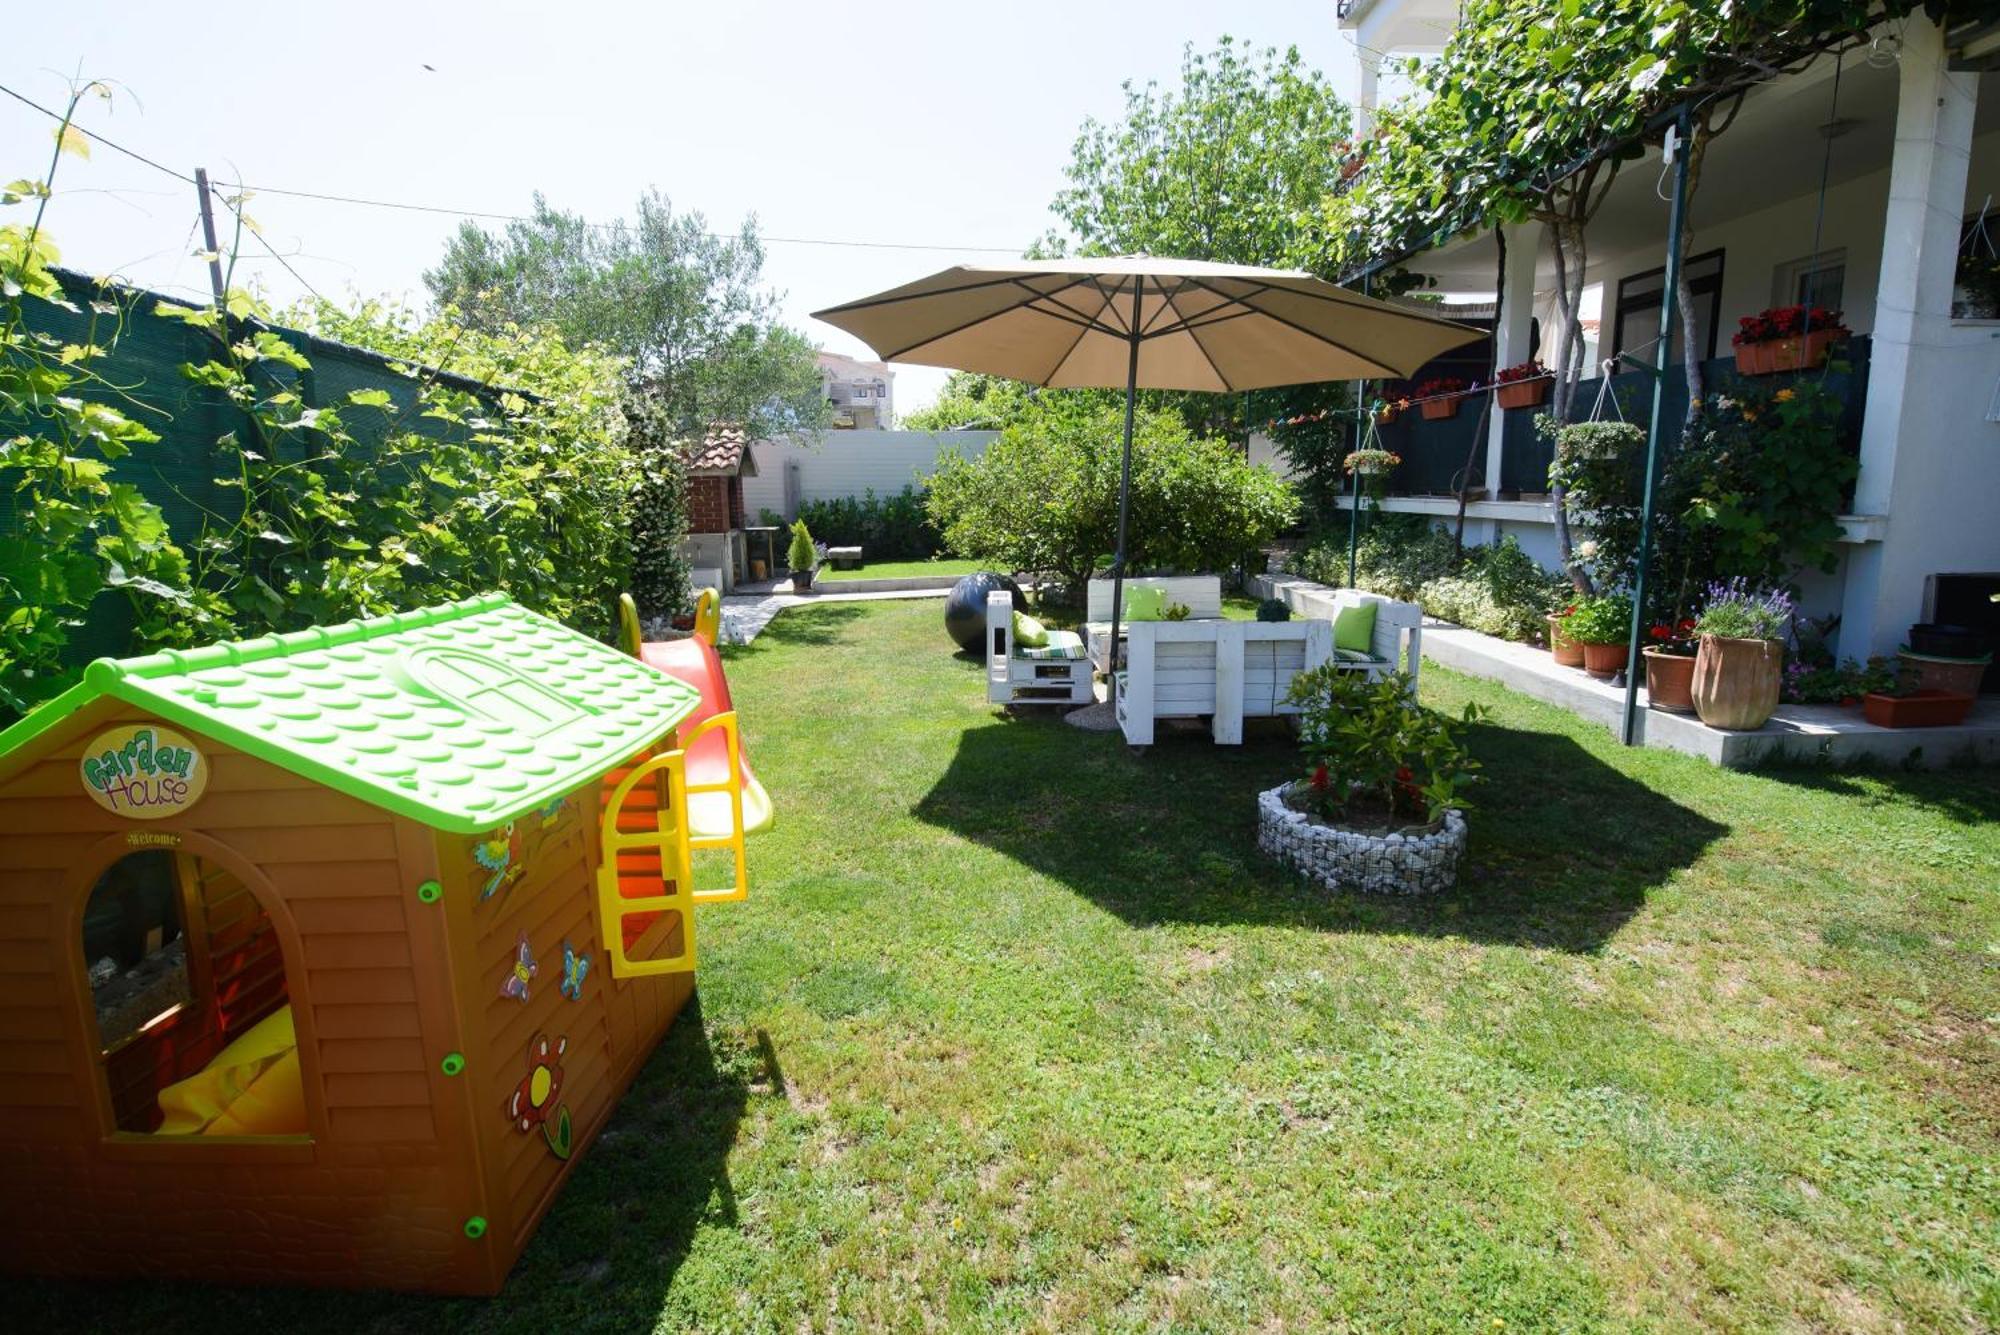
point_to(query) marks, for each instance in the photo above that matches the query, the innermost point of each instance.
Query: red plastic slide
(695, 662)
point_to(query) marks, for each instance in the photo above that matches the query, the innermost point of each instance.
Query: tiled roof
(721, 451)
(461, 717)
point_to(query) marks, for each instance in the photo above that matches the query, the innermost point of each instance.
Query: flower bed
(1418, 862)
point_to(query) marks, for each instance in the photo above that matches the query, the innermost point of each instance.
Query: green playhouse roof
(461, 717)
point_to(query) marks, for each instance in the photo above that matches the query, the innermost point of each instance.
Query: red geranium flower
(1319, 778)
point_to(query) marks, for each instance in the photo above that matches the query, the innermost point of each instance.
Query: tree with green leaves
(685, 308)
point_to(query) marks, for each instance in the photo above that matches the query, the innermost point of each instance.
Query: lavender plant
(1739, 610)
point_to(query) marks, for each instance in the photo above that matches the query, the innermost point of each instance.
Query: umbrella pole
(1124, 495)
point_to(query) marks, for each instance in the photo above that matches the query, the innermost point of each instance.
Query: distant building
(714, 547)
(862, 393)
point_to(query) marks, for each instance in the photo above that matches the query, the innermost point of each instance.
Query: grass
(902, 569)
(1018, 1031)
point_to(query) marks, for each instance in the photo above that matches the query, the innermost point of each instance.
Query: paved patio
(746, 612)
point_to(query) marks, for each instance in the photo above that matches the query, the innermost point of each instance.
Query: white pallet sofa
(1226, 671)
(1200, 594)
(1398, 642)
(1056, 675)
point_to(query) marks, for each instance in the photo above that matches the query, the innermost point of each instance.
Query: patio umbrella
(1137, 322)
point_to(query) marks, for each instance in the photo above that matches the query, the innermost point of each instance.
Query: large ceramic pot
(1670, 681)
(1605, 661)
(1567, 652)
(1736, 681)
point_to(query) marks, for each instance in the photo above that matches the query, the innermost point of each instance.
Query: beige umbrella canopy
(1220, 327)
(1135, 322)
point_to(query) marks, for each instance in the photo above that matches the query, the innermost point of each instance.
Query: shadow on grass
(1964, 794)
(1564, 847)
(603, 1257)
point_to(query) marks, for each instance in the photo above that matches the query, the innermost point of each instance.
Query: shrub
(1044, 496)
(803, 554)
(1371, 750)
(888, 528)
(1274, 609)
(657, 525)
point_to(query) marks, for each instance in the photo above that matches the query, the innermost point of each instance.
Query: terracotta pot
(1522, 393)
(1736, 681)
(1605, 661)
(1670, 681)
(1438, 410)
(1785, 354)
(1924, 709)
(1567, 652)
(1957, 676)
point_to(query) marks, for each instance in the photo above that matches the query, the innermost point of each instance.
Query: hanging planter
(1439, 399)
(1786, 338)
(1525, 385)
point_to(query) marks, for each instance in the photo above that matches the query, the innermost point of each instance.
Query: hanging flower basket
(1786, 338)
(1372, 463)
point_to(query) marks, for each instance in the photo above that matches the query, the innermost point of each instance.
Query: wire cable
(112, 144)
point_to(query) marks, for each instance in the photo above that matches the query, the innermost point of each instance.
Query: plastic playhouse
(326, 954)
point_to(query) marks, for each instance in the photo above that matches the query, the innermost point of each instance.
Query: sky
(937, 123)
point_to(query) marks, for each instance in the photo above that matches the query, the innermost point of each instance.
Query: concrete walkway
(744, 615)
(1824, 733)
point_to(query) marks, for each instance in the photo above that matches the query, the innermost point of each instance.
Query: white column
(1920, 234)
(1511, 339)
(1364, 101)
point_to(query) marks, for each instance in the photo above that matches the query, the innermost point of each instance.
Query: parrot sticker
(500, 853)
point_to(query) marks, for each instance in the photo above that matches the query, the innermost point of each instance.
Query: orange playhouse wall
(549, 892)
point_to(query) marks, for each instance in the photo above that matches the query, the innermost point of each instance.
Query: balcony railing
(1434, 453)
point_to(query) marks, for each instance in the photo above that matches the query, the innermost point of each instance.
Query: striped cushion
(1063, 644)
(1357, 658)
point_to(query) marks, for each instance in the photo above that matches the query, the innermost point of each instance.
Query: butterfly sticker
(575, 966)
(516, 984)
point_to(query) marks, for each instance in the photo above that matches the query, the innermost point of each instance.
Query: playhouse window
(493, 689)
(187, 981)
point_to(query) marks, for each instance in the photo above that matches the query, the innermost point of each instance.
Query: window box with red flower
(1523, 385)
(1439, 399)
(1786, 338)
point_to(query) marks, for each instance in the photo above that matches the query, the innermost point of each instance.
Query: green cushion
(1354, 627)
(1028, 632)
(1145, 602)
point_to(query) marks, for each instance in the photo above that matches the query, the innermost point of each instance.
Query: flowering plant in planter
(1844, 684)
(1785, 338)
(1439, 396)
(1738, 667)
(1522, 385)
(1374, 756)
(1602, 620)
(1736, 610)
(1672, 637)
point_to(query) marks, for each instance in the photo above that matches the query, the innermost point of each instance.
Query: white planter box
(1373, 864)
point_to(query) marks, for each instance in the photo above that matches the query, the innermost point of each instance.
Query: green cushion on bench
(1357, 657)
(1062, 645)
(1029, 633)
(1354, 626)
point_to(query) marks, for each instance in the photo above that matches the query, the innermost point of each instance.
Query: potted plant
(1566, 651)
(1381, 805)
(1669, 655)
(1739, 668)
(1372, 468)
(1603, 626)
(1439, 398)
(1844, 684)
(1785, 338)
(1523, 385)
(803, 557)
(1388, 410)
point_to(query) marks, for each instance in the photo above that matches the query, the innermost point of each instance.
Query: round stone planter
(1419, 863)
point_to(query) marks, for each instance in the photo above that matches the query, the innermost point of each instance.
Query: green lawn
(902, 569)
(1018, 1031)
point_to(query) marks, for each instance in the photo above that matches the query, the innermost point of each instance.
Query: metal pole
(1124, 493)
(1669, 289)
(1354, 492)
(208, 236)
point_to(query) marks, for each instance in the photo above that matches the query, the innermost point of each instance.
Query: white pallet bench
(1015, 676)
(1200, 594)
(1226, 671)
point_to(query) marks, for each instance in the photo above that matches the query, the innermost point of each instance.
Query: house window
(1636, 327)
(492, 689)
(1816, 280)
(193, 1012)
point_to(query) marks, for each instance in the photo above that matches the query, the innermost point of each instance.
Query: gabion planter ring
(1423, 862)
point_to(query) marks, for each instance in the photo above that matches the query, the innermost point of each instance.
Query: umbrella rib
(1202, 348)
(1028, 305)
(1342, 297)
(894, 299)
(1057, 365)
(1296, 327)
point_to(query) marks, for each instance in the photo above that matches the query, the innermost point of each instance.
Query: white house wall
(849, 464)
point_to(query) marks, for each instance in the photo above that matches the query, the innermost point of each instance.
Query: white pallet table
(1223, 670)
